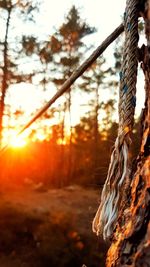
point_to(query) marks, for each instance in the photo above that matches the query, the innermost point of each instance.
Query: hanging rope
(118, 171)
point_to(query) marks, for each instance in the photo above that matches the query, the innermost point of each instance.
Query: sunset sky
(104, 15)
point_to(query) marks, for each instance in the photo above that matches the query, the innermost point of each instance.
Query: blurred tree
(84, 141)
(68, 46)
(11, 11)
(42, 55)
(96, 82)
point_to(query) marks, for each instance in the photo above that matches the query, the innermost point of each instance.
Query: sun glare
(18, 142)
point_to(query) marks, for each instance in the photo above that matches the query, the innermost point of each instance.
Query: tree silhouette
(68, 43)
(10, 53)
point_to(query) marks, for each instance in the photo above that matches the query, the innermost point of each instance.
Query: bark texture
(131, 240)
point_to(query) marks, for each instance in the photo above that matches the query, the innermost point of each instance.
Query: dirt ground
(47, 228)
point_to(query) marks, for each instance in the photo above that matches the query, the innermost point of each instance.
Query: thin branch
(76, 74)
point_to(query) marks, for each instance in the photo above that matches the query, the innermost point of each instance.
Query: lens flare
(18, 142)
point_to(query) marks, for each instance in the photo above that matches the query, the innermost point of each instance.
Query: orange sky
(29, 98)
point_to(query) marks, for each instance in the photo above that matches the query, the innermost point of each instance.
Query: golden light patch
(18, 142)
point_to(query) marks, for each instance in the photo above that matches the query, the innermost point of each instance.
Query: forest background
(72, 142)
(69, 147)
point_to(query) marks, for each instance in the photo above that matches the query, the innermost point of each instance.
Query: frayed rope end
(107, 213)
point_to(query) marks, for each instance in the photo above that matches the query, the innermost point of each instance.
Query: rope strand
(118, 171)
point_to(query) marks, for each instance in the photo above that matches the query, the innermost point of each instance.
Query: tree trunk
(96, 131)
(5, 76)
(62, 151)
(131, 240)
(70, 138)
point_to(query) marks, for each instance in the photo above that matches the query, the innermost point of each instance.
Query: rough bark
(131, 240)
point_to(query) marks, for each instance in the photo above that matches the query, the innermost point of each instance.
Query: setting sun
(18, 142)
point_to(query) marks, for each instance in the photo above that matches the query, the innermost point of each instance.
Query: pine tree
(69, 46)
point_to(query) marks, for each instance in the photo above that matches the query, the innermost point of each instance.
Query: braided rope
(118, 172)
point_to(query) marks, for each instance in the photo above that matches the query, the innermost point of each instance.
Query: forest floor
(47, 228)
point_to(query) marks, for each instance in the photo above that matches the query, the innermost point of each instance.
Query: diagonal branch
(75, 75)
